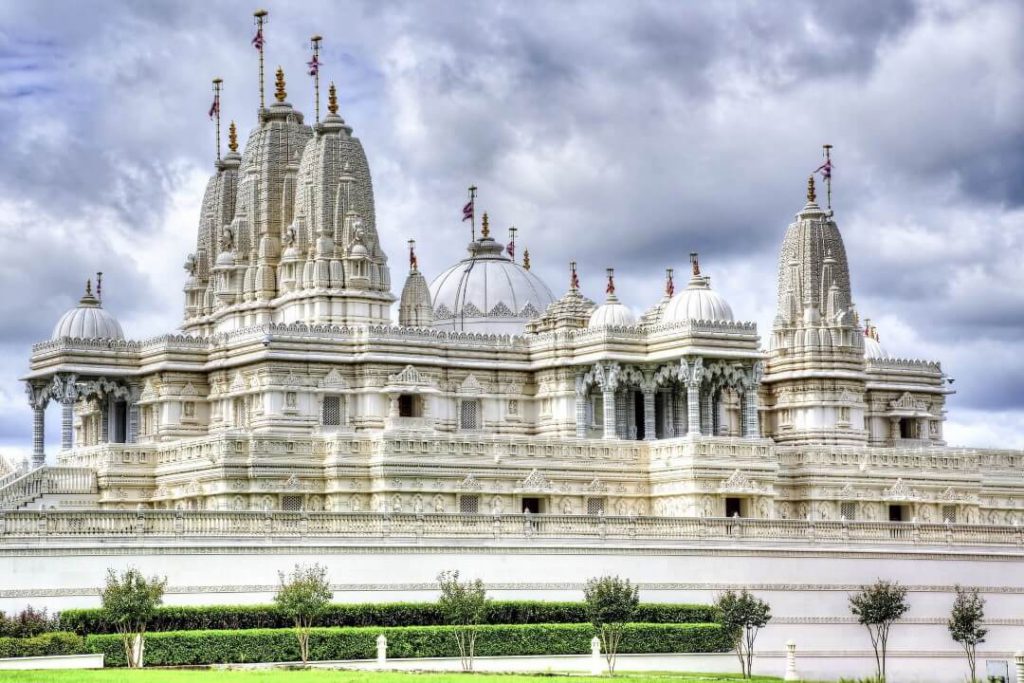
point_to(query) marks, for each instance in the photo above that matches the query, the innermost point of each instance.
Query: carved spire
(232, 137)
(811, 197)
(526, 259)
(413, 262)
(279, 88)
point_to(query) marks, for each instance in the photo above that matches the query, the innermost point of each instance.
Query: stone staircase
(55, 486)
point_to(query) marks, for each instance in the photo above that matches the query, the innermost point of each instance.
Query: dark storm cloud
(616, 134)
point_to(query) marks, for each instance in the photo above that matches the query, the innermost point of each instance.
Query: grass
(328, 676)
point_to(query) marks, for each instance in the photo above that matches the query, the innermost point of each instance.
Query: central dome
(487, 292)
(698, 301)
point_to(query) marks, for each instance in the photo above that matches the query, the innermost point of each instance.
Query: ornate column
(607, 376)
(621, 422)
(582, 388)
(668, 412)
(679, 419)
(751, 421)
(707, 423)
(38, 398)
(65, 390)
(609, 408)
(132, 435)
(650, 424)
(694, 376)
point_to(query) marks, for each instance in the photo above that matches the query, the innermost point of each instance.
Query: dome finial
(670, 285)
(694, 264)
(574, 278)
(610, 287)
(88, 287)
(332, 100)
(810, 190)
(413, 263)
(526, 259)
(279, 88)
(485, 230)
(232, 137)
(99, 286)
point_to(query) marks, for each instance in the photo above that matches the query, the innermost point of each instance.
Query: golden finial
(810, 190)
(279, 91)
(232, 137)
(88, 287)
(526, 259)
(485, 231)
(694, 263)
(332, 99)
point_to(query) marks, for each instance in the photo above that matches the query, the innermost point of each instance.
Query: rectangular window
(469, 505)
(595, 506)
(469, 415)
(331, 415)
(949, 514)
(291, 503)
(848, 510)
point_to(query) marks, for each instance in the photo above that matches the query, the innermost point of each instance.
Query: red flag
(467, 211)
(314, 66)
(257, 40)
(825, 170)
(511, 249)
(215, 107)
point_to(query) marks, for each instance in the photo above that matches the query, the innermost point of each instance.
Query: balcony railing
(43, 480)
(202, 526)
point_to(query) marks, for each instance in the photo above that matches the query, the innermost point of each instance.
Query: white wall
(808, 588)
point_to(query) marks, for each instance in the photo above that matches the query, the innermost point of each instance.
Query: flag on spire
(825, 170)
(467, 211)
(511, 249)
(314, 65)
(257, 40)
(215, 107)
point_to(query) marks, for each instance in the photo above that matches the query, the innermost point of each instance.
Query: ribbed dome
(697, 302)
(612, 313)
(88, 320)
(487, 292)
(873, 349)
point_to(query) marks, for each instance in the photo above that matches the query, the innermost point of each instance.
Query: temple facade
(290, 386)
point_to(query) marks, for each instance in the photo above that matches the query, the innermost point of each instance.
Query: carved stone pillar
(581, 415)
(707, 425)
(679, 419)
(693, 409)
(38, 398)
(650, 424)
(668, 412)
(67, 418)
(609, 408)
(621, 423)
(751, 423)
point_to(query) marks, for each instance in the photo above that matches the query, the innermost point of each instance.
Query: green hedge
(234, 617)
(279, 645)
(57, 643)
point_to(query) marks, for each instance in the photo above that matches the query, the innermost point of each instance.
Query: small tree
(611, 603)
(742, 615)
(303, 596)
(464, 606)
(129, 601)
(877, 607)
(965, 624)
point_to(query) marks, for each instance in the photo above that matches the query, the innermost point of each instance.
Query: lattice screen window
(595, 506)
(848, 510)
(291, 503)
(469, 415)
(469, 504)
(331, 412)
(949, 514)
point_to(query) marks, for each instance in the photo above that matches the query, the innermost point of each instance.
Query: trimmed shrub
(56, 643)
(279, 645)
(234, 617)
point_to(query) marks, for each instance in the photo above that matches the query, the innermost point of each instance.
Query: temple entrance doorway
(533, 505)
(733, 507)
(638, 417)
(897, 513)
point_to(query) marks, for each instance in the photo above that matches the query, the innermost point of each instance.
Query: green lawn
(325, 676)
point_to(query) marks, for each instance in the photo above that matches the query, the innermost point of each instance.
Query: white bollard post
(382, 650)
(1018, 660)
(596, 662)
(791, 674)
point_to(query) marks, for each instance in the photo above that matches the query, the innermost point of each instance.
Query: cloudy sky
(621, 134)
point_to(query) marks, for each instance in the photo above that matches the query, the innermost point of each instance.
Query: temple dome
(87, 320)
(487, 292)
(697, 302)
(612, 313)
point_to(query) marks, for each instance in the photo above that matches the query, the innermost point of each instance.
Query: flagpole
(828, 179)
(315, 68)
(261, 17)
(216, 110)
(472, 216)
